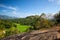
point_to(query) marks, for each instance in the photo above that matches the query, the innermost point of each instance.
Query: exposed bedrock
(34, 35)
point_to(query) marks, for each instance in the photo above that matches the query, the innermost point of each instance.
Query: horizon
(24, 8)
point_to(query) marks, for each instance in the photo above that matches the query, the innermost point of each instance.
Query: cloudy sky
(23, 8)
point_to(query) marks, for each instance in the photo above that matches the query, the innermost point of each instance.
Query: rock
(49, 35)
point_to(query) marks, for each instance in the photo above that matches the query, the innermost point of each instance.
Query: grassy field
(22, 28)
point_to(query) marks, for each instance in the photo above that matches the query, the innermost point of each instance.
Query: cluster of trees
(7, 28)
(57, 18)
(4, 24)
(38, 22)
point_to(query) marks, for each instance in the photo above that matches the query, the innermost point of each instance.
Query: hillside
(5, 17)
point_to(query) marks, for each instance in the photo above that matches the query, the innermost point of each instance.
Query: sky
(23, 8)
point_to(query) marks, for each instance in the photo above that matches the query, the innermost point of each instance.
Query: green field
(22, 28)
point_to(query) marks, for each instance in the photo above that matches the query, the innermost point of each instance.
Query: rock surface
(34, 35)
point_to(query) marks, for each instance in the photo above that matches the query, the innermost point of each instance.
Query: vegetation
(57, 18)
(23, 28)
(19, 25)
(9, 28)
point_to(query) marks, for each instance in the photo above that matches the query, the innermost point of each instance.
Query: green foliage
(4, 24)
(2, 34)
(6, 28)
(57, 17)
(37, 22)
(11, 31)
(22, 28)
(42, 22)
(25, 21)
(19, 25)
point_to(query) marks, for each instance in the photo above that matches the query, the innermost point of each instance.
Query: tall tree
(57, 17)
(42, 22)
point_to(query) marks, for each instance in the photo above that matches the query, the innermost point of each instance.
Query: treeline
(4, 24)
(39, 21)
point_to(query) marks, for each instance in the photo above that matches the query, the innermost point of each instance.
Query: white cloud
(4, 10)
(50, 0)
(14, 10)
(55, 1)
(8, 7)
(58, 2)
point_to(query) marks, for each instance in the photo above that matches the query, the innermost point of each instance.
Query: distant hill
(6, 17)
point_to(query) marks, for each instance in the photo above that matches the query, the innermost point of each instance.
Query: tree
(57, 17)
(42, 22)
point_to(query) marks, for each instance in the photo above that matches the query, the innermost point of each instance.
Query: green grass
(22, 28)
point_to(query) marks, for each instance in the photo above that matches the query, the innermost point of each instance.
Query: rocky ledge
(34, 35)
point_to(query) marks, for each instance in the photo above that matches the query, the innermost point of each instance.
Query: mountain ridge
(6, 17)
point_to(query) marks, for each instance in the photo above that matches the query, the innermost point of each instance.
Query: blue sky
(23, 8)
